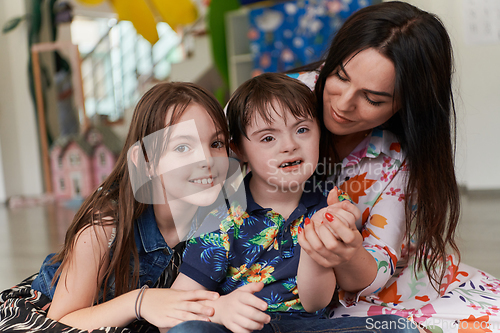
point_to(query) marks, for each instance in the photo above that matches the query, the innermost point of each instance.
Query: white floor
(27, 235)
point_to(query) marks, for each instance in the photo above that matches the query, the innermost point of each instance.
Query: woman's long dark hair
(115, 198)
(419, 47)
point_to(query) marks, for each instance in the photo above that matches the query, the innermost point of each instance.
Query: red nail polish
(307, 221)
(300, 229)
(329, 217)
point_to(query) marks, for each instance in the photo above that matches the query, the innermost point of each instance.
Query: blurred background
(72, 71)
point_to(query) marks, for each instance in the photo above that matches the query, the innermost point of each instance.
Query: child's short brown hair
(258, 96)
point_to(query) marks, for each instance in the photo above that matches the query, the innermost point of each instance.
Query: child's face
(282, 155)
(194, 166)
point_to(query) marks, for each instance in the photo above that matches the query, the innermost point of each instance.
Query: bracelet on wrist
(138, 302)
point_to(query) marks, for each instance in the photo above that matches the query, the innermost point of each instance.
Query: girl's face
(194, 165)
(359, 96)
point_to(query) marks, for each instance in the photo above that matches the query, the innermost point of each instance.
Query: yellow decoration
(137, 12)
(91, 2)
(176, 12)
(142, 14)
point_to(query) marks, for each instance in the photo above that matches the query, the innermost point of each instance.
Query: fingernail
(329, 217)
(300, 229)
(307, 221)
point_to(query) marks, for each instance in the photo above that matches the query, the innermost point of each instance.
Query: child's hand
(332, 239)
(242, 311)
(166, 307)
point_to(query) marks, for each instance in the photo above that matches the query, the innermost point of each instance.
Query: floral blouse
(374, 176)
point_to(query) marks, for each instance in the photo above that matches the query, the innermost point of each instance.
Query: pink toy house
(80, 163)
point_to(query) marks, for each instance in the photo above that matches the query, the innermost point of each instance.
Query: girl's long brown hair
(115, 197)
(419, 47)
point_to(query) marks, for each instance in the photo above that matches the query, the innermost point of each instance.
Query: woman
(385, 97)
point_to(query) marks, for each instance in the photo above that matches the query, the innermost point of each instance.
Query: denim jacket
(154, 257)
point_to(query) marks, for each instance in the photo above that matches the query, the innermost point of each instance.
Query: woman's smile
(339, 119)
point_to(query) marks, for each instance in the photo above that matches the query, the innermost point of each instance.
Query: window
(61, 184)
(102, 158)
(74, 159)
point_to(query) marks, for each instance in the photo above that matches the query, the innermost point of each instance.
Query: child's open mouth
(290, 164)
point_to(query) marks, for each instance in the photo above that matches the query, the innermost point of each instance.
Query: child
(253, 260)
(175, 156)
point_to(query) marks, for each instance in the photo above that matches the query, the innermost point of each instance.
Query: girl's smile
(204, 181)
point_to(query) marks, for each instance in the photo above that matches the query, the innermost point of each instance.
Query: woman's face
(359, 96)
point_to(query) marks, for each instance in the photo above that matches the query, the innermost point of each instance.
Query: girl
(119, 243)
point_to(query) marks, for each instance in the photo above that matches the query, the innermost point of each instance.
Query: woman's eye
(372, 102)
(217, 144)
(340, 77)
(267, 139)
(182, 148)
(302, 130)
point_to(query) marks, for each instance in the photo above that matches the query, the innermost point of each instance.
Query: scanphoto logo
(467, 324)
(398, 324)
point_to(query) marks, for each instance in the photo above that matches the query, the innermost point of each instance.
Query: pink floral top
(374, 176)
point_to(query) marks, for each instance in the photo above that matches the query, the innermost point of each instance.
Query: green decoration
(220, 94)
(216, 25)
(12, 23)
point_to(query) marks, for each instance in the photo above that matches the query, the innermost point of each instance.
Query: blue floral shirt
(253, 245)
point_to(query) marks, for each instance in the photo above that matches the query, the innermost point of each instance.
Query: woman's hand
(332, 238)
(169, 307)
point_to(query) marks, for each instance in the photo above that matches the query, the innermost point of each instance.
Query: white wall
(477, 97)
(192, 68)
(3, 195)
(20, 155)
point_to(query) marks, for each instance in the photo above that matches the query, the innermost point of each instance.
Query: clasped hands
(330, 237)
